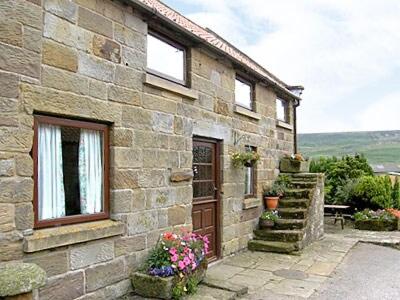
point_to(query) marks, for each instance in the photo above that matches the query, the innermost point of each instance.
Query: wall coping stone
(170, 86)
(249, 203)
(72, 234)
(20, 278)
(284, 125)
(246, 112)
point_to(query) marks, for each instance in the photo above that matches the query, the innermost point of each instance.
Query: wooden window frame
(254, 177)
(250, 83)
(67, 220)
(286, 108)
(176, 45)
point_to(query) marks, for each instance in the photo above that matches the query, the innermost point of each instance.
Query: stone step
(292, 213)
(298, 193)
(302, 176)
(268, 246)
(283, 224)
(279, 235)
(298, 184)
(295, 203)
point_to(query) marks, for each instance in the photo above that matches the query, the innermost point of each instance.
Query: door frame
(218, 179)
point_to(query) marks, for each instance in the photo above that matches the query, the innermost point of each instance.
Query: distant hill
(380, 147)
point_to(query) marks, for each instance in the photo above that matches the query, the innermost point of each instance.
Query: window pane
(243, 94)
(165, 58)
(281, 110)
(70, 171)
(248, 183)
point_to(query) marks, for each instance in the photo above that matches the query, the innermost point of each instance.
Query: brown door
(205, 213)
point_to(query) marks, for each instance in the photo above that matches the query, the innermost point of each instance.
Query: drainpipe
(297, 90)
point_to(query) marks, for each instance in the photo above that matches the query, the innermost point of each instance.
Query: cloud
(343, 52)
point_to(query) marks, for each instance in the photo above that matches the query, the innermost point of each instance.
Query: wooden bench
(338, 210)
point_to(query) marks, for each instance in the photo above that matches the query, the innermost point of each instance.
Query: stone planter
(376, 225)
(161, 287)
(294, 166)
(266, 224)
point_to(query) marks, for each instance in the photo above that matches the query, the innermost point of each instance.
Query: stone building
(117, 120)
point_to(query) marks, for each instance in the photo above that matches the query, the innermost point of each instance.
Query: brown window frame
(286, 107)
(67, 220)
(250, 83)
(176, 45)
(254, 177)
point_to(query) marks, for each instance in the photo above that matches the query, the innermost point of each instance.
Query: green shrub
(373, 192)
(340, 175)
(396, 194)
(367, 214)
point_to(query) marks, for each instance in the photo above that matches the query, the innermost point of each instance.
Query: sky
(345, 53)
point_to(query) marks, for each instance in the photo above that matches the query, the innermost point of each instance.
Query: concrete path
(368, 272)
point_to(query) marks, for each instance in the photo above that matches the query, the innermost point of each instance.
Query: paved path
(368, 272)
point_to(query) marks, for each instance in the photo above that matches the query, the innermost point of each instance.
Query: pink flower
(191, 255)
(186, 261)
(181, 265)
(174, 258)
(194, 265)
(172, 251)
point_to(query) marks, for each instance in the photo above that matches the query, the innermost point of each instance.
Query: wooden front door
(205, 213)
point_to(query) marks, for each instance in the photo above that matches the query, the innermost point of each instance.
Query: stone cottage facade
(82, 66)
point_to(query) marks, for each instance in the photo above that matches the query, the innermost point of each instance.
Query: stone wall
(86, 59)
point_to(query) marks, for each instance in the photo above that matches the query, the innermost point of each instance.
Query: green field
(378, 146)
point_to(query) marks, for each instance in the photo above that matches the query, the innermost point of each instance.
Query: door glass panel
(202, 154)
(202, 172)
(203, 189)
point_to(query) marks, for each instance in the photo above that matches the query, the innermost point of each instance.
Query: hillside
(378, 146)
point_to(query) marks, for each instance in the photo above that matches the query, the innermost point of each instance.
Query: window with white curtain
(71, 171)
(166, 58)
(243, 93)
(249, 179)
(282, 110)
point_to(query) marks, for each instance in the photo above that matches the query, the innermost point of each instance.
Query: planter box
(294, 166)
(376, 225)
(266, 224)
(161, 287)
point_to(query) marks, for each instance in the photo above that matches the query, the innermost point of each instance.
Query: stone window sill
(246, 112)
(170, 86)
(72, 234)
(284, 125)
(249, 203)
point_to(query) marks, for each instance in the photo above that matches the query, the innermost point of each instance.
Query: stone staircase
(301, 217)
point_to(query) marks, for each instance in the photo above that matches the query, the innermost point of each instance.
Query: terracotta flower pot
(271, 202)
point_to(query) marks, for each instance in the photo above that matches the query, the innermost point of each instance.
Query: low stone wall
(377, 225)
(315, 215)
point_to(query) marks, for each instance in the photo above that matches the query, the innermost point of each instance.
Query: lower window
(71, 171)
(249, 179)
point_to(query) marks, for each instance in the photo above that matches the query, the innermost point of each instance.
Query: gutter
(154, 13)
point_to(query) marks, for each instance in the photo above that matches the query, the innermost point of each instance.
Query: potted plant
(174, 268)
(272, 195)
(268, 218)
(247, 158)
(295, 163)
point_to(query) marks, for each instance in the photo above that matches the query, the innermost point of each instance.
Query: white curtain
(50, 173)
(90, 171)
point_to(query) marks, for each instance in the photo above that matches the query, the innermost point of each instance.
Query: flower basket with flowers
(246, 159)
(295, 163)
(174, 268)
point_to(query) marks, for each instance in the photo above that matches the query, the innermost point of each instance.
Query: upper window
(71, 171)
(250, 177)
(282, 110)
(166, 58)
(243, 93)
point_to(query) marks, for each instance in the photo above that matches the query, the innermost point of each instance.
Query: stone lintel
(251, 203)
(284, 125)
(72, 234)
(246, 112)
(170, 86)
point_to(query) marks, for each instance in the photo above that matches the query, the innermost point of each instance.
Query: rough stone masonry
(86, 59)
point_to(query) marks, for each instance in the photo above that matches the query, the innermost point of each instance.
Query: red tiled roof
(213, 40)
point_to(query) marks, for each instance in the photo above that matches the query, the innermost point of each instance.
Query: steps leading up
(283, 224)
(292, 213)
(298, 193)
(268, 246)
(287, 235)
(293, 203)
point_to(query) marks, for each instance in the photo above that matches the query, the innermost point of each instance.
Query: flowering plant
(247, 158)
(177, 254)
(297, 157)
(270, 215)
